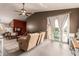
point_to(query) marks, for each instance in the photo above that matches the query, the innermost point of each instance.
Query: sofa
(30, 41)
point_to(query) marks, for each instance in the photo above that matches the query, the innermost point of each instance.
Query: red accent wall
(19, 24)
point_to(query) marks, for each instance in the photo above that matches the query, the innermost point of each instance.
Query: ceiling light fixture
(23, 11)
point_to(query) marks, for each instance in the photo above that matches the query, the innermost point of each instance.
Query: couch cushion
(33, 40)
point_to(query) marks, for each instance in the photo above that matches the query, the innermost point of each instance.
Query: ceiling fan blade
(20, 14)
(28, 14)
(17, 10)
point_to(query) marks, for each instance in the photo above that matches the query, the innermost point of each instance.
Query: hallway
(49, 48)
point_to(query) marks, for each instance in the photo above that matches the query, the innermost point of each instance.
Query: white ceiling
(39, 7)
(7, 10)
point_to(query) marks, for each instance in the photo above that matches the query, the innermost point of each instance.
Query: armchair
(28, 42)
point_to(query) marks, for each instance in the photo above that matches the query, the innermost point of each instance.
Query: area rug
(11, 46)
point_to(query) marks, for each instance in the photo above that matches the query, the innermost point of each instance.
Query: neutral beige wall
(38, 21)
(74, 21)
(78, 20)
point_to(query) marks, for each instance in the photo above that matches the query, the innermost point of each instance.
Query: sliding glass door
(56, 31)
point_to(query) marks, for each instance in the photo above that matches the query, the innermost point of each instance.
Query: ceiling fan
(23, 11)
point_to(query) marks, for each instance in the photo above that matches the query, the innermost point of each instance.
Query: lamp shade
(1, 28)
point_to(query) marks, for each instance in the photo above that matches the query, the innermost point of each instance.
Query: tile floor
(49, 48)
(1, 46)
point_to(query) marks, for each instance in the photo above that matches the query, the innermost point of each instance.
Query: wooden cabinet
(19, 26)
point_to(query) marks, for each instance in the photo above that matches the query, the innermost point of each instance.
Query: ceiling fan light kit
(23, 13)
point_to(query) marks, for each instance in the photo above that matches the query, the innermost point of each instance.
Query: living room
(25, 34)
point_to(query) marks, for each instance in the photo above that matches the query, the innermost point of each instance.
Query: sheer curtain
(61, 21)
(51, 24)
(50, 27)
